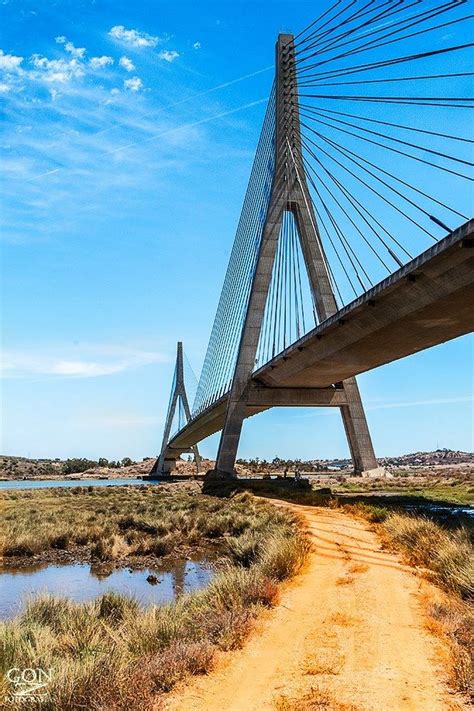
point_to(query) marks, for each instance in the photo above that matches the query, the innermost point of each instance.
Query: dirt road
(350, 625)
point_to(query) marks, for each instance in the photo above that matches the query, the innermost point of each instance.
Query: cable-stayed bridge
(354, 245)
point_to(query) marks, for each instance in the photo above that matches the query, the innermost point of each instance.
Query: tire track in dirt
(350, 625)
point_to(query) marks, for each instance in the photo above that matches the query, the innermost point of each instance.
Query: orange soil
(350, 624)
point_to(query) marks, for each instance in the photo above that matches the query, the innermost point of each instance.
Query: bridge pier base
(218, 475)
(163, 468)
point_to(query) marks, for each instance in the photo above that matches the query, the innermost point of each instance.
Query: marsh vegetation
(124, 526)
(112, 653)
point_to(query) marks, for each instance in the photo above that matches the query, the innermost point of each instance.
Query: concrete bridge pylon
(289, 193)
(166, 461)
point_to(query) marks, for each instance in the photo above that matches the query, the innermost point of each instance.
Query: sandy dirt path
(350, 624)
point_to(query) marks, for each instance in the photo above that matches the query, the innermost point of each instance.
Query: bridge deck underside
(427, 302)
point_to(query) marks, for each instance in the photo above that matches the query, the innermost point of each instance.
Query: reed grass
(111, 654)
(115, 525)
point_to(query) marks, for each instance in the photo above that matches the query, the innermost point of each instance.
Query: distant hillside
(439, 456)
(24, 468)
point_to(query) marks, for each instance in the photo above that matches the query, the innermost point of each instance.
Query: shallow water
(80, 582)
(55, 484)
(454, 510)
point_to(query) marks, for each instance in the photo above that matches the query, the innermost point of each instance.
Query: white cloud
(134, 38)
(4, 88)
(57, 70)
(9, 62)
(77, 52)
(127, 64)
(104, 361)
(133, 84)
(100, 62)
(197, 45)
(168, 55)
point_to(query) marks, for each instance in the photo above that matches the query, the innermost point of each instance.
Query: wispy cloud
(419, 403)
(56, 70)
(393, 405)
(127, 64)
(134, 38)
(9, 62)
(52, 70)
(133, 84)
(197, 45)
(177, 129)
(168, 55)
(86, 362)
(101, 62)
(77, 52)
(100, 109)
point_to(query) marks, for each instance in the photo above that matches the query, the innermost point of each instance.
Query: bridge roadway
(427, 302)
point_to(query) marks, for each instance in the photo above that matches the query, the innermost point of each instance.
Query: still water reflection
(80, 582)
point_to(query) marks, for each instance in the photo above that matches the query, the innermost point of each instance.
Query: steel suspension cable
(316, 39)
(333, 44)
(368, 66)
(387, 123)
(345, 211)
(440, 154)
(408, 217)
(360, 209)
(389, 148)
(375, 44)
(386, 81)
(391, 175)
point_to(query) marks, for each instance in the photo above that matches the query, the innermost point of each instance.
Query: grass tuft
(318, 699)
(112, 653)
(114, 607)
(446, 554)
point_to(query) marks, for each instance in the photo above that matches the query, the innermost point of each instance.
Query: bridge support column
(166, 462)
(289, 193)
(357, 430)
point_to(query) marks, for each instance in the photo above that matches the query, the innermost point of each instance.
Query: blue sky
(128, 138)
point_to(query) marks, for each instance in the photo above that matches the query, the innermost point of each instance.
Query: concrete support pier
(289, 193)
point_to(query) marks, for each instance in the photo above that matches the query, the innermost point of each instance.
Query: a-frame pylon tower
(289, 192)
(178, 398)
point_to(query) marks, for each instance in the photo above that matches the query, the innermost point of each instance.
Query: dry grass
(448, 555)
(328, 663)
(358, 568)
(342, 619)
(112, 654)
(345, 580)
(454, 620)
(115, 525)
(445, 553)
(315, 700)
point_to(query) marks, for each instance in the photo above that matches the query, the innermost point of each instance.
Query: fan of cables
(383, 100)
